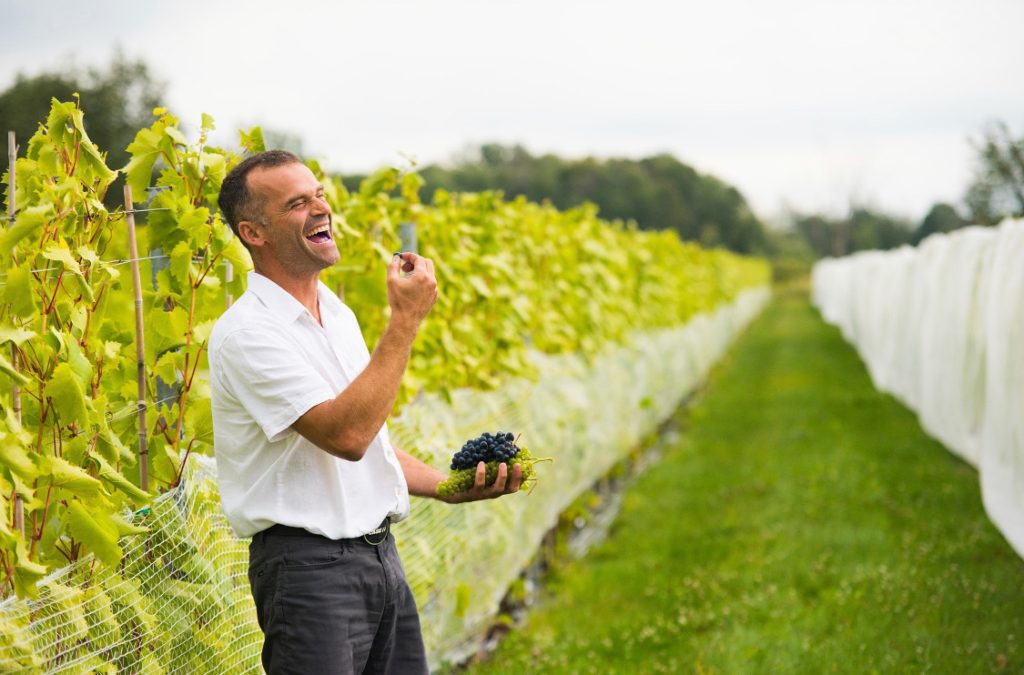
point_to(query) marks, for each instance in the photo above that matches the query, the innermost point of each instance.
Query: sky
(806, 105)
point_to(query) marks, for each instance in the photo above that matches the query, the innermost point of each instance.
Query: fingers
(481, 476)
(414, 263)
(499, 481)
(517, 478)
(393, 267)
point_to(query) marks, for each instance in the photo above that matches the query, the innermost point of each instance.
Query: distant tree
(997, 190)
(658, 192)
(117, 100)
(941, 218)
(862, 229)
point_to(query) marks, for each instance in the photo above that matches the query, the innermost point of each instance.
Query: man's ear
(251, 233)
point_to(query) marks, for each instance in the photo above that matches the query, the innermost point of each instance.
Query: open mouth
(320, 235)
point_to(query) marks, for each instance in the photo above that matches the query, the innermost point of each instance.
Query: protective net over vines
(941, 327)
(179, 601)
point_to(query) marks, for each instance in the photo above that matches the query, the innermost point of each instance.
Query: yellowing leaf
(124, 528)
(69, 477)
(26, 572)
(95, 530)
(64, 257)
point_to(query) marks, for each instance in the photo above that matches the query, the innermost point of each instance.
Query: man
(304, 462)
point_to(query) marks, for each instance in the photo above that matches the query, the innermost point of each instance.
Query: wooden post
(12, 159)
(140, 345)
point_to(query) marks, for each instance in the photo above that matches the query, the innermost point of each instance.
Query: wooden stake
(12, 159)
(140, 344)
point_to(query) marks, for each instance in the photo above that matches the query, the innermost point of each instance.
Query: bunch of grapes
(492, 449)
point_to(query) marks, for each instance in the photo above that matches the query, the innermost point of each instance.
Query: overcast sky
(809, 103)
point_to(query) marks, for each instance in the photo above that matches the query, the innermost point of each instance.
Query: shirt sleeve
(270, 378)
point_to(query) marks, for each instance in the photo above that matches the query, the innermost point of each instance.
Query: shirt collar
(282, 304)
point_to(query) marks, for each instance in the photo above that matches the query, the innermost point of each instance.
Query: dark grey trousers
(328, 606)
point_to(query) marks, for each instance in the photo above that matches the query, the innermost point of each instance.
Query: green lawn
(803, 523)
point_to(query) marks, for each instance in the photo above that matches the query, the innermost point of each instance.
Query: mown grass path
(804, 523)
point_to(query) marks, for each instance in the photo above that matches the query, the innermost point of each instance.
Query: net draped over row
(940, 327)
(180, 602)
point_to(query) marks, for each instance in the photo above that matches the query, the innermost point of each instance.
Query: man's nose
(320, 206)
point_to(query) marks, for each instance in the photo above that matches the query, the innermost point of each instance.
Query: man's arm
(346, 425)
(423, 480)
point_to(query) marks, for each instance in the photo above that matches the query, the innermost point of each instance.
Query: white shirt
(270, 362)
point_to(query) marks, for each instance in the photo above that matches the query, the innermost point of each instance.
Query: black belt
(374, 537)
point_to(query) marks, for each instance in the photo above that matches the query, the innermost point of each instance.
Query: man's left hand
(503, 484)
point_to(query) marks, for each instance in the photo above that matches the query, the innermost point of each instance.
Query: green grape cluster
(460, 480)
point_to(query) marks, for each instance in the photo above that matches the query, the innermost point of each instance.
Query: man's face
(297, 220)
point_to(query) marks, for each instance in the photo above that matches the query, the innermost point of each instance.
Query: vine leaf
(69, 477)
(19, 293)
(98, 533)
(67, 395)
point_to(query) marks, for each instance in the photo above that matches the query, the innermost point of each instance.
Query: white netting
(941, 327)
(180, 602)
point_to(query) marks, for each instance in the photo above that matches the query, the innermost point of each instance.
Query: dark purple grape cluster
(487, 447)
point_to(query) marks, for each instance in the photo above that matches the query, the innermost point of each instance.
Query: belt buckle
(371, 536)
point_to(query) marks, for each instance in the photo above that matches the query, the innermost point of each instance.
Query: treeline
(659, 192)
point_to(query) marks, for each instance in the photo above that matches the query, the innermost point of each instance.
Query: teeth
(322, 228)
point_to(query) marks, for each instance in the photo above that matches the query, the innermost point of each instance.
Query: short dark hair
(236, 201)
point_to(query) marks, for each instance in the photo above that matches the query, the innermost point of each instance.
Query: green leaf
(26, 222)
(117, 480)
(15, 335)
(164, 331)
(19, 292)
(14, 456)
(215, 166)
(207, 123)
(199, 420)
(68, 398)
(252, 142)
(195, 223)
(7, 368)
(181, 264)
(63, 474)
(80, 364)
(26, 572)
(112, 449)
(145, 150)
(97, 532)
(168, 365)
(236, 254)
(176, 135)
(201, 331)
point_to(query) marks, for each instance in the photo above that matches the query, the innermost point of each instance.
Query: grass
(803, 524)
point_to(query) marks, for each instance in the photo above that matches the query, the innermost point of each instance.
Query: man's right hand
(412, 296)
